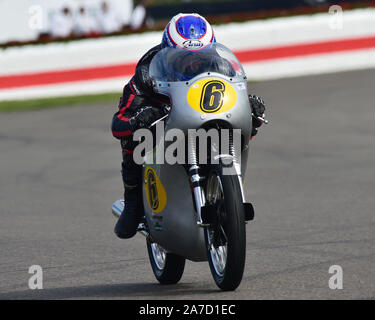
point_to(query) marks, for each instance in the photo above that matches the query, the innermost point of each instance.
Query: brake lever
(157, 121)
(265, 121)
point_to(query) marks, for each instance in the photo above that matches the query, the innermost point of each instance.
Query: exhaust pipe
(117, 208)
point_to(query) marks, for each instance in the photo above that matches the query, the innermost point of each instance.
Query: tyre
(226, 236)
(167, 267)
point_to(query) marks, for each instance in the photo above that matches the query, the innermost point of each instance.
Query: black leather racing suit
(137, 93)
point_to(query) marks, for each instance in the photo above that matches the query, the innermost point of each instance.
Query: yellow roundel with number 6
(211, 96)
(155, 192)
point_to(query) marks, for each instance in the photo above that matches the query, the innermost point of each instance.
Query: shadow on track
(112, 291)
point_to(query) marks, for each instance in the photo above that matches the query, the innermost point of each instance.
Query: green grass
(47, 103)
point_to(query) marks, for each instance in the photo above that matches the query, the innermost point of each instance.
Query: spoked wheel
(167, 267)
(226, 236)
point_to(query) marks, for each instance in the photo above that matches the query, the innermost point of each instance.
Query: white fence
(285, 47)
(24, 20)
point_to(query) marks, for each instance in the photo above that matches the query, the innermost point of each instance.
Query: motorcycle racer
(140, 106)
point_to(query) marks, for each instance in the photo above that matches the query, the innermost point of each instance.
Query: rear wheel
(167, 267)
(226, 235)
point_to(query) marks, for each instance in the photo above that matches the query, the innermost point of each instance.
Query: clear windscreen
(174, 64)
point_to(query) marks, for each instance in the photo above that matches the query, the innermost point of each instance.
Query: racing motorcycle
(196, 210)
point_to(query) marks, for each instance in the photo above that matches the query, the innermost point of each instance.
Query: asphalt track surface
(311, 177)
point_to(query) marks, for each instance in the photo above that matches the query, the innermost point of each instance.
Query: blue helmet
(188, 31)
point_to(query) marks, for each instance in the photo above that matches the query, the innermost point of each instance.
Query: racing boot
(131, 216)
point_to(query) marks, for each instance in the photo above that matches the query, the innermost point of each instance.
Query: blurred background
(74, 47)
(37, 21)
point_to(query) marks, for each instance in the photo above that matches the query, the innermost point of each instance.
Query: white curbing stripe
(237, 36)
(311, 65)
(66, 89)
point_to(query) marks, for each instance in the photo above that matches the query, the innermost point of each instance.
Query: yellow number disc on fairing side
(212, 96)
(155, 192)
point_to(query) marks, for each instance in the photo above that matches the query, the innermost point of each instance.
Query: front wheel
(167, 267)
(226, 236)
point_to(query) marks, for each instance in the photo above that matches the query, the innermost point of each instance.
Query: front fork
(203, 211)
(195, 179)
(200, 200)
